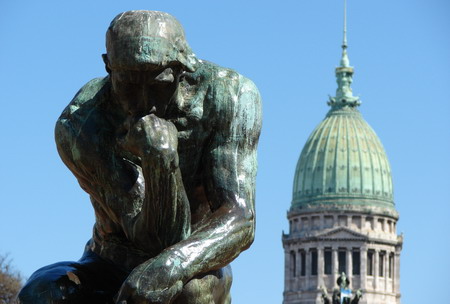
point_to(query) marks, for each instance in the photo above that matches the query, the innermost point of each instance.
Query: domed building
(342, 217)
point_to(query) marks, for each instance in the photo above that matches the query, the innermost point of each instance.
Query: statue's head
(343, 281)
(146, 53)
(137, 40)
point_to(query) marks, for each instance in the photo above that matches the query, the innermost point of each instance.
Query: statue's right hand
(151, 136)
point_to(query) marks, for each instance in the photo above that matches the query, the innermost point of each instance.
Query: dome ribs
(343, 164)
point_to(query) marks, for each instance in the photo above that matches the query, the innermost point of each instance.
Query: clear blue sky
(401, 54)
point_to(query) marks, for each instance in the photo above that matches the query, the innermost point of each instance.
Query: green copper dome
(343, 165)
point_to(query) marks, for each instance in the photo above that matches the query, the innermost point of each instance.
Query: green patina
(343, 163)
(165, 146)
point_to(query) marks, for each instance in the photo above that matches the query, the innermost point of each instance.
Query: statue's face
(146, 53)
(143, 91)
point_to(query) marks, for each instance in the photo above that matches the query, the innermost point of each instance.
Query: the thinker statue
(341, 295)
(165, 146)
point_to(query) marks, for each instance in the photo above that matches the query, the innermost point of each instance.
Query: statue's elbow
(248, 231)
(251, 238)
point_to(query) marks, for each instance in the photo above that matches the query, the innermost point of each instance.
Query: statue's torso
(96, 153)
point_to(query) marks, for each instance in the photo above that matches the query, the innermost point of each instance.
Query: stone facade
(321, 245)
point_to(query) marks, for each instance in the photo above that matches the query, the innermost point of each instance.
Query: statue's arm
(153, 215)
(164, 218)
(230, 163)
(358, 296)
(70, 139)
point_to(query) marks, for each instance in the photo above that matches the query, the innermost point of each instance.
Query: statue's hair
(139, 37)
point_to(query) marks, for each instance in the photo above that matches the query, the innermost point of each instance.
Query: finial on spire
(344, 76)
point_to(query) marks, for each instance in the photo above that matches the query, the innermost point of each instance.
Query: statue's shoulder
(222, 77)
(228, 88)
(233, 100)
(82, 107)
(91, 94)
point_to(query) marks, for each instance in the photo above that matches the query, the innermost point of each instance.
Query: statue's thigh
(56, 283)
(86, 281)
(209, 288)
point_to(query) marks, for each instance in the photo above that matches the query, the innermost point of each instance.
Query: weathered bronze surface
(341, 295)
(165, 146)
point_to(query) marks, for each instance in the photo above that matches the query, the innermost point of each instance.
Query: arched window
(381, 263)
(302, 263)
(313, 261)
(356, 258)
(391, 266)
(370, 262)
(293, 264)
(327, 261)
(342, 259)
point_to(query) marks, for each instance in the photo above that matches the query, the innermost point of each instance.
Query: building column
(298, 261)
(308, 267)
(320, 261)
(300, 285)
(295, 271)
(320, 272)
(287, 272)
(396, 276)
(363, 268)
(376, 274)
(349, 269)
(385, 270)
(334, 265)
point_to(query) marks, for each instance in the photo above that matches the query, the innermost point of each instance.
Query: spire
(344, 42)
(344, 76)
(344, 60)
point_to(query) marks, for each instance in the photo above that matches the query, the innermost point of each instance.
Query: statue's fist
(157, 281)
(151, 136)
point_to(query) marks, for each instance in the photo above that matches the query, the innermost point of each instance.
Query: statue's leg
(212, 287)
(90, 280)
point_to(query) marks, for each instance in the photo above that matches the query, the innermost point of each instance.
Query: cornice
(353, 236)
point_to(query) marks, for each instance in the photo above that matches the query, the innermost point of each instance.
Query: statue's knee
(211, 287)
(227, 276)
(51, 285)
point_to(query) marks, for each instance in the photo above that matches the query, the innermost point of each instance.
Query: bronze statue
(341, 295)
(165, 146)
